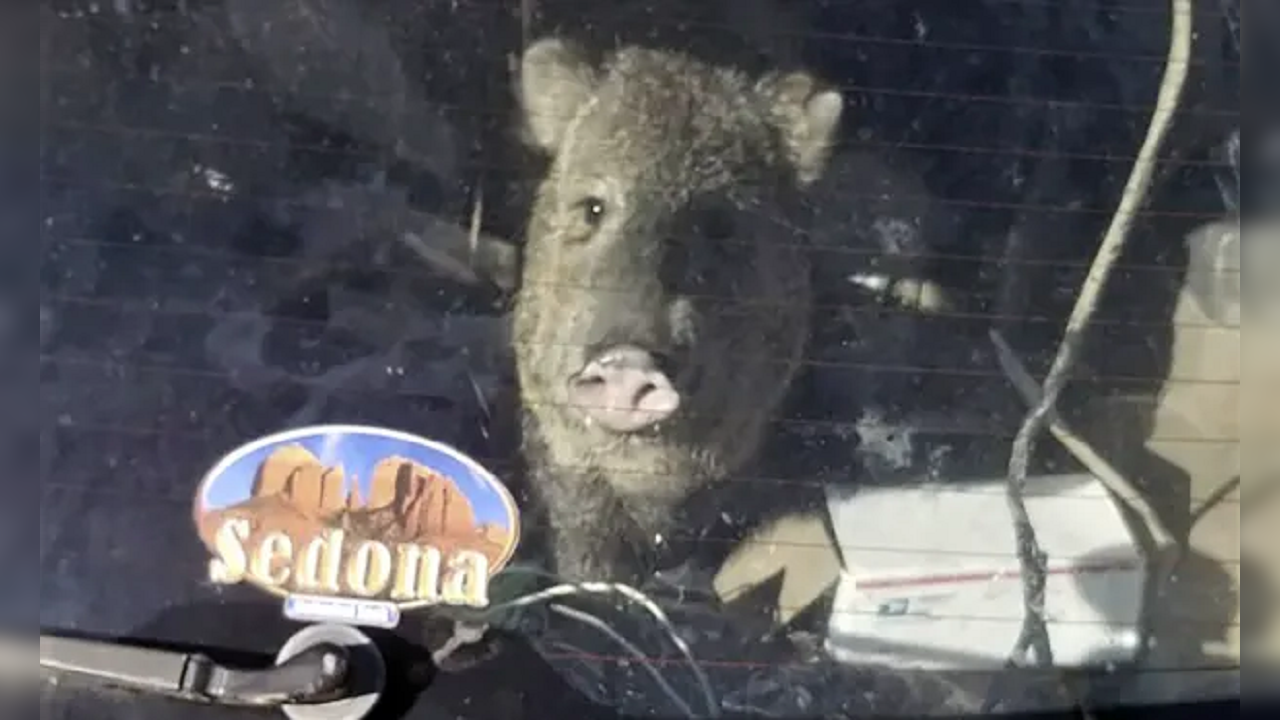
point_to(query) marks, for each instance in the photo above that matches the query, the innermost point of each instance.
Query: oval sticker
(353, 523)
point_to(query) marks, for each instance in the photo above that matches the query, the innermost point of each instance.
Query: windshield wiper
(315, 675)
(320, 665)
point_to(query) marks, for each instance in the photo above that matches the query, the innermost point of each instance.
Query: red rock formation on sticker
(353, 497)
(294, 474)
(425, 503)
(494, 534)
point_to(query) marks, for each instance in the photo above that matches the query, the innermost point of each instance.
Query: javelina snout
(664, 299)
(624, 389)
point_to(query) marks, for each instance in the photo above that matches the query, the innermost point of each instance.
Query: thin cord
(1031, 557)
(604, 588)
(602, 626)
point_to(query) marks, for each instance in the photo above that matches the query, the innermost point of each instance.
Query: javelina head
(663, 302)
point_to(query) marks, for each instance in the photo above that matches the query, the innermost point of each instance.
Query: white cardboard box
(931, 577)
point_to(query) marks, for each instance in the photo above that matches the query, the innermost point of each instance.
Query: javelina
(663, 308)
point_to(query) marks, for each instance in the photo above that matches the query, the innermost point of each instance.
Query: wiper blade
(317, 674)
(333, 666)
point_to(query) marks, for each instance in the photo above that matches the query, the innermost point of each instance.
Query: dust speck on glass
(677, 358)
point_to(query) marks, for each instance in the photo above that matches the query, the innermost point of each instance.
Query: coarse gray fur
(700, 257)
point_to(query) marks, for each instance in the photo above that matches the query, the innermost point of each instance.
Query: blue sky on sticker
(359, 453)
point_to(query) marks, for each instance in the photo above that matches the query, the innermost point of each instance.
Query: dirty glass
(818, 358)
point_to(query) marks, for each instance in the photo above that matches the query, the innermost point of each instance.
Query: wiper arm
(317, 674)
(321, 665)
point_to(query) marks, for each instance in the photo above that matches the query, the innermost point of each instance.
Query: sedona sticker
(354, 524)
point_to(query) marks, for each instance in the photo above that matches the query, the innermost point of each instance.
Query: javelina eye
(593, 209)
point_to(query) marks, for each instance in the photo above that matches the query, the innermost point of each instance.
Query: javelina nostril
(644, 389)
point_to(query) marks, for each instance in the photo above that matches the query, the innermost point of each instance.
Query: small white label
(316, 608)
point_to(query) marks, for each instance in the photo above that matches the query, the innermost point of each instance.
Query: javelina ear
(808, 118)
(556, 79)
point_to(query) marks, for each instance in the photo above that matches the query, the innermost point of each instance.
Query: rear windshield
(656, 357)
